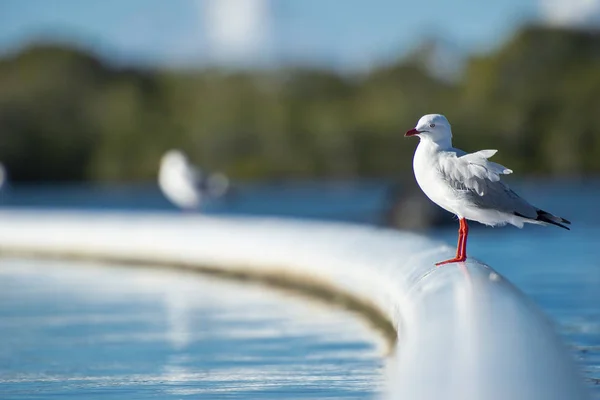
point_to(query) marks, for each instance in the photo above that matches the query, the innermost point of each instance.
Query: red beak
(412, 132)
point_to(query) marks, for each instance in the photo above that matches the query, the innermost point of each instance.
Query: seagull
(468, 184)
(185, 185)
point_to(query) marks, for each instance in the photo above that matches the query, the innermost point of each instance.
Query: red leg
(461, 247)
(460, 241)
(465, 229)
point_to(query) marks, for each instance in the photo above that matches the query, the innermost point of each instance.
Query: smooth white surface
(464, 331)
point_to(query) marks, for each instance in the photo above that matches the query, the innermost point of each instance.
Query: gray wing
(477, 180)
(197, 175)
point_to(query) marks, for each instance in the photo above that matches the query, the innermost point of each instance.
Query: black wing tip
(548, 218)
(553, 219)
(566, 221)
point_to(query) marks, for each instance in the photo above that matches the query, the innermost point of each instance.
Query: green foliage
(65, 115)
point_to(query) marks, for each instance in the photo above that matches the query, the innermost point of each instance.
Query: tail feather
(544, 216)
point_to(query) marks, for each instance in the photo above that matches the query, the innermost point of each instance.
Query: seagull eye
(432, 125)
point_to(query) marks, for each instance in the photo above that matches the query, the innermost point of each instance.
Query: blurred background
(298, 108)
(268, 90)
(299, 92)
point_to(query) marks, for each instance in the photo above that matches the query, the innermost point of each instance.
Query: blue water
(91, 332)
(558, 269)
(359, 202)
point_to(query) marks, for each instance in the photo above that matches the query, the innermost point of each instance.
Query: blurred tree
(536, 96)
(46, 132)
(65, 115)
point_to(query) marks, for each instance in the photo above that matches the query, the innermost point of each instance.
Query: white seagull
(185, 185)
(468, 185)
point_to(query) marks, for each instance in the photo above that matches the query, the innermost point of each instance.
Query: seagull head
(433, 127)
(174, 157)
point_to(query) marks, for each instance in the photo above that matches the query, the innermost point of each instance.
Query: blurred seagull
(468, 185)
(185, 185)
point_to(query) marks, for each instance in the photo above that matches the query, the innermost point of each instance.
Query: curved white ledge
(464, 332)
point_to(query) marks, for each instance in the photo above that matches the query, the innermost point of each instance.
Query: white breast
(178, 186)
(425, 167)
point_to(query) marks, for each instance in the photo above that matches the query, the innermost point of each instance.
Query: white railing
(463, 331)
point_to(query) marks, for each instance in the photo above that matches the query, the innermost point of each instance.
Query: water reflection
(85, 331)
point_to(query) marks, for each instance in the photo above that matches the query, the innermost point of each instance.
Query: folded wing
(477, 180)
(472, 172)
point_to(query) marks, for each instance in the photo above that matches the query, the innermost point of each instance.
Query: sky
(345, 34)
